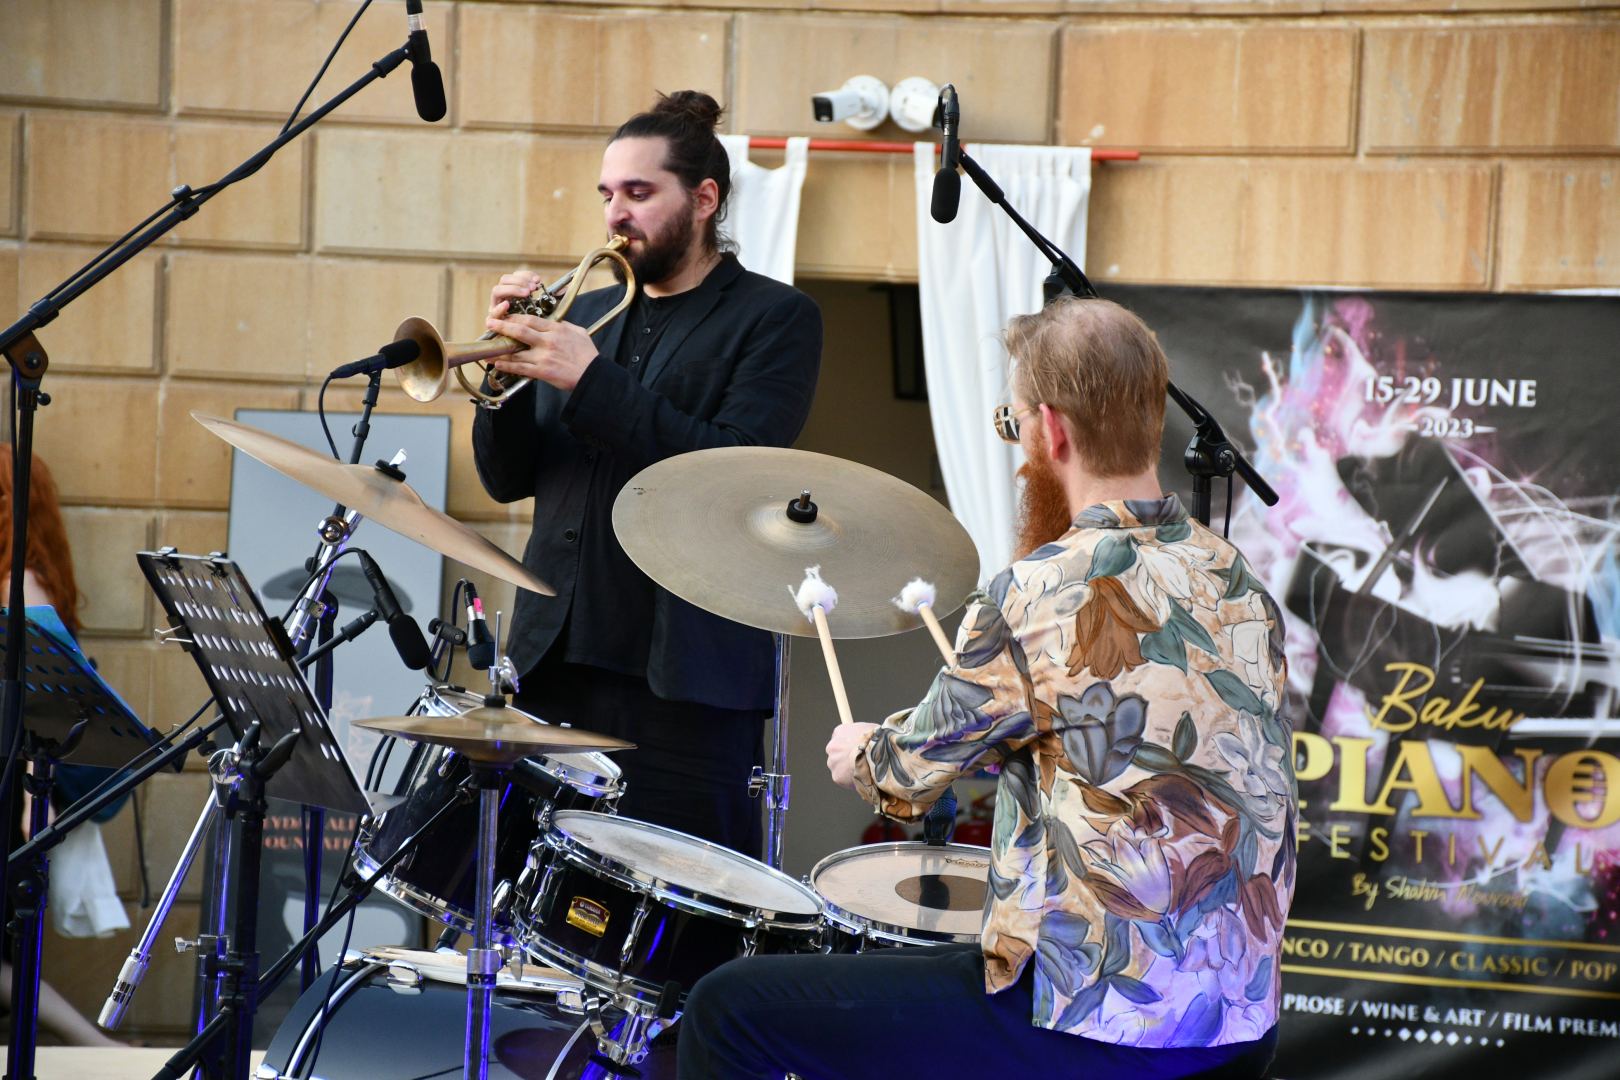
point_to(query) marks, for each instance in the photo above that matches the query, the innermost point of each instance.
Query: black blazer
(735, 366)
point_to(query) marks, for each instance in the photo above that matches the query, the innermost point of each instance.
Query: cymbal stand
(483, 959)
(776, 785)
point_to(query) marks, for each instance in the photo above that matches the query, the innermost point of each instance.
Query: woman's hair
(1099, 365)
(48, 555)
(686, 121)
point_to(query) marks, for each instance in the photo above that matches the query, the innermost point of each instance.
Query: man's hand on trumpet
(558, 352)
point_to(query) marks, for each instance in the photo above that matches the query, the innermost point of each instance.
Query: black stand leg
(315, 816)
(29, 363)
(249, 768)
(28, 890)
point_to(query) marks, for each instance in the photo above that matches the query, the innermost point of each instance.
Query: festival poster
(1444, 549)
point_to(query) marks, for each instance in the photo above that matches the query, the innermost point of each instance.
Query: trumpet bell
(428, 376)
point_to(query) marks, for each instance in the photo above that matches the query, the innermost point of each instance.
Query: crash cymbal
(713, 528)
(376, 495)
(494, 734)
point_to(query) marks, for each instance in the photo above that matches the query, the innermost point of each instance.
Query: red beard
(1043, 505)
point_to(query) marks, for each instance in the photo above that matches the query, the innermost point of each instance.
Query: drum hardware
(628, 949)
(377, 1032)
(725, 529)
(428, 376)
(639, 913)
(436, 879)
(493, 738)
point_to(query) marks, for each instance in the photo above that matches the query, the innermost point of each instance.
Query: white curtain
(973, 275)
(763, 214)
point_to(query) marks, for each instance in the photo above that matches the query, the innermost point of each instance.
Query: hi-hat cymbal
(494, 734)
(713, 528)
(390, 503)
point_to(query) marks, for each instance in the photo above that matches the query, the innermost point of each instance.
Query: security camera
(862, 103)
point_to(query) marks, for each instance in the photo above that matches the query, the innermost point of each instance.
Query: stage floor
(80, 1063)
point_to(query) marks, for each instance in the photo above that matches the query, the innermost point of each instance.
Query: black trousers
(689, 770)
(913, 1012)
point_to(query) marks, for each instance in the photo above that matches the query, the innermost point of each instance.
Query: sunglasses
(1006, 421)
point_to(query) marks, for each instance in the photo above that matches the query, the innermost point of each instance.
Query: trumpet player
(708, 354)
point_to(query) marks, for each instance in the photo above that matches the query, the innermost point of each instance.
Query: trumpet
(428, 376)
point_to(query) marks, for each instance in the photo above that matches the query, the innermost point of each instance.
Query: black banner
(1445, 550)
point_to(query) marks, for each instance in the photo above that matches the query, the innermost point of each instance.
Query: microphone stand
(317, 603)
(1209, 453)
(29, 361)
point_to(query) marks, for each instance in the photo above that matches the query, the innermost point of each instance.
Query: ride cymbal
(714, 528)
(391, 503)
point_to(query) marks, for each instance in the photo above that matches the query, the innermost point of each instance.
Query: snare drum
(439, 878)
(631, 908)
(908, 893)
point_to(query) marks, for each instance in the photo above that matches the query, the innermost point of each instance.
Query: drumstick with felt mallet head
(918, 598)
(815, 598)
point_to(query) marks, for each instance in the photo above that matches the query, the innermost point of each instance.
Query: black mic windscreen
(428, 86)
(409, 642)
(481, 655)
(399, 353)
(947, 194)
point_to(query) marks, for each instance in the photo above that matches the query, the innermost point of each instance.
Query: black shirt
(731, 362)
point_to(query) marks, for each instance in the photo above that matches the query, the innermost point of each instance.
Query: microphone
(392, 355)
(426, 81)
(480, 645)
(947, 182)
(408, 640)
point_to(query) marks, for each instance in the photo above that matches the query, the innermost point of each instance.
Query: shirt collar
(1132, 513)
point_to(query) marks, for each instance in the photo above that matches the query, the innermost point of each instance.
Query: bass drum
(379, 1029)
(909, 893)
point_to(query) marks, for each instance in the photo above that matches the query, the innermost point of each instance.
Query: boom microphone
(947, 182)
(408, 640)
(427, 84)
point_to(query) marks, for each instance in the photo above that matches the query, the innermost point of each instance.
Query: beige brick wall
(1425, 144)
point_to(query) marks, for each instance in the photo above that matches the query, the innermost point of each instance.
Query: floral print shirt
(1127, 679)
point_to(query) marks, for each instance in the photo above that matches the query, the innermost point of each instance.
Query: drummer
(1127, 674)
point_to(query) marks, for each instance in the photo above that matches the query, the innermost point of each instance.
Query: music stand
(285, 748)
(250, 666)
(70, 714)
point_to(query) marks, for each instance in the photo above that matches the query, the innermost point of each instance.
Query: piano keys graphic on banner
(1446, 554)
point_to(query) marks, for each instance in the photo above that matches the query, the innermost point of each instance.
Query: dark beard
(660, 256)
(1043, 507)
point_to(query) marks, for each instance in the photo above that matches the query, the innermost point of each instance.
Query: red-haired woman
(48, 579)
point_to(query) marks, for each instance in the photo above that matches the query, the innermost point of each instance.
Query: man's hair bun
(693, 105)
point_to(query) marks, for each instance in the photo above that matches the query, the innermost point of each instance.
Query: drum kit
(589, 928)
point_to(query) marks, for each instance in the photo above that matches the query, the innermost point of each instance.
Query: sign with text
(1445, 552)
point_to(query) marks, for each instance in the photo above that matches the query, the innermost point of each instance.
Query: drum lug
(502, 900)
(629, 946)
(542, 815)
(542, 895)
(404, 978)
(445, 763)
